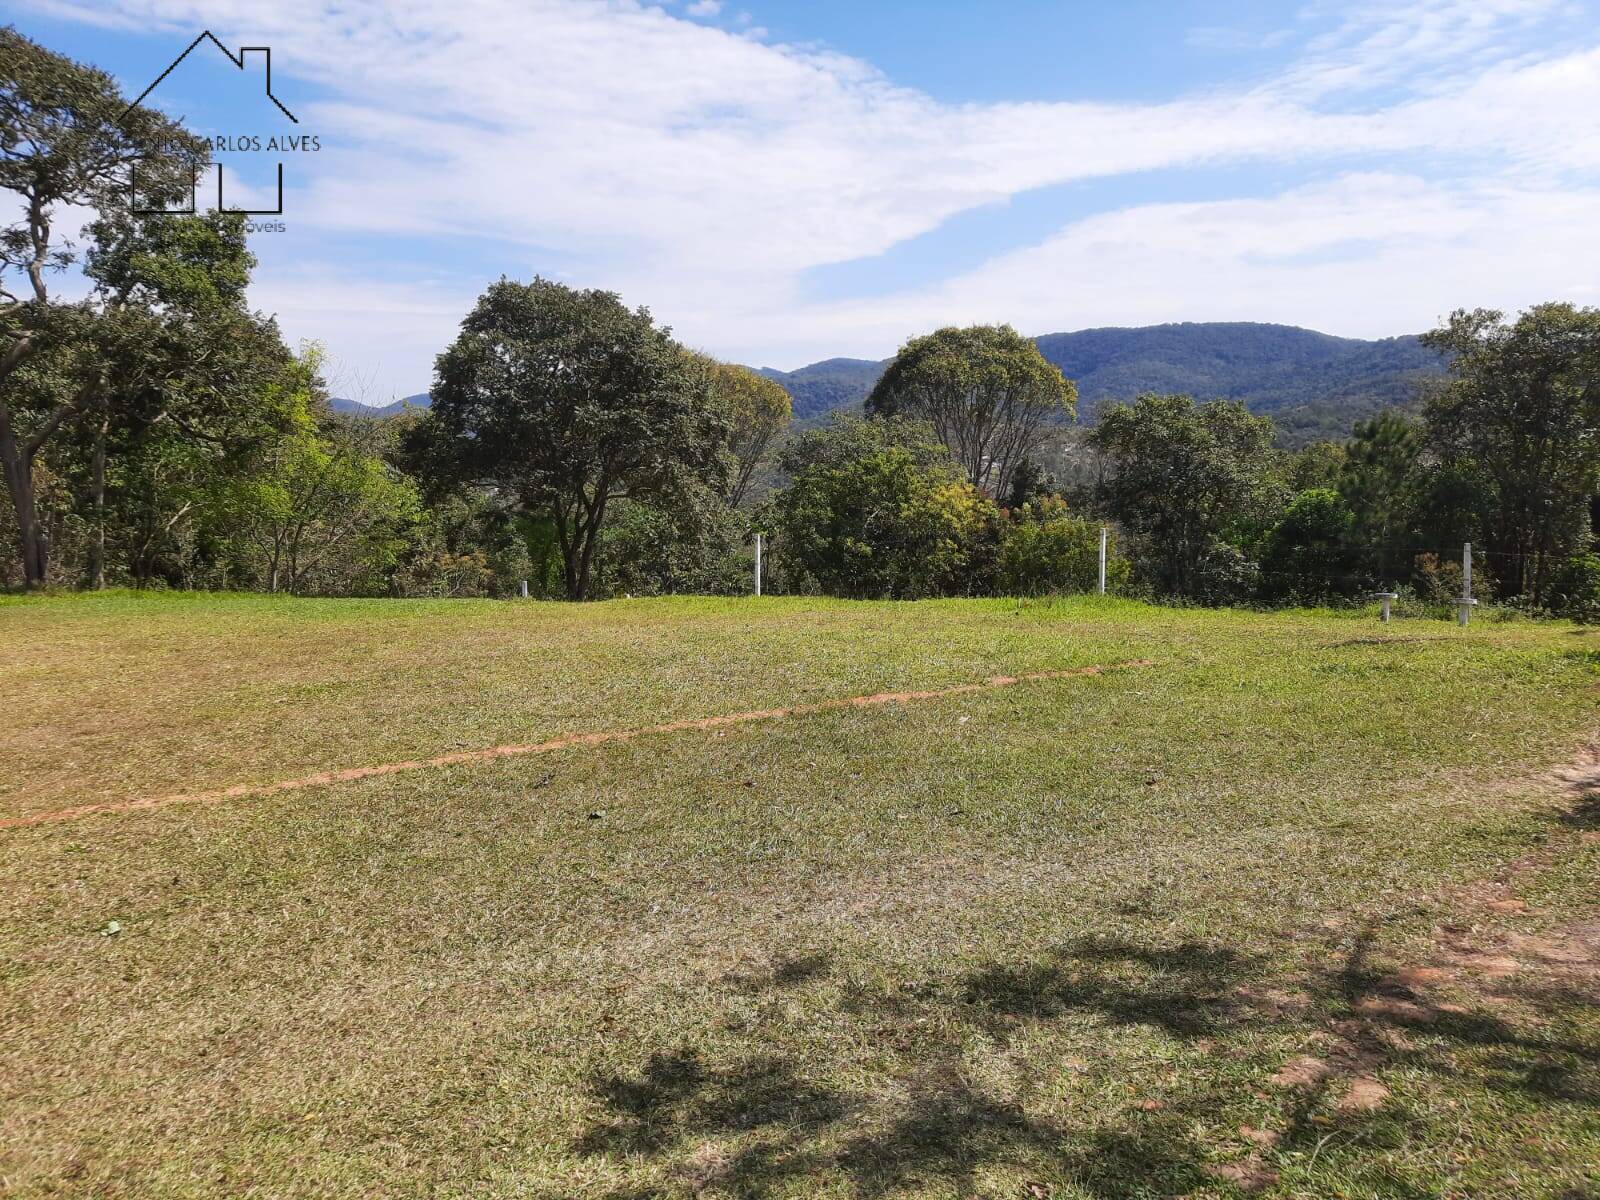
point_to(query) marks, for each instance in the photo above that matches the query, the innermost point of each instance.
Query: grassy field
(1302, 908)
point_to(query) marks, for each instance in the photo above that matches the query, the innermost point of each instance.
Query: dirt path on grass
(243, 791)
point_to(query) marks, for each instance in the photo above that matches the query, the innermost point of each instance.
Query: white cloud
(704, 8)
(703, 172)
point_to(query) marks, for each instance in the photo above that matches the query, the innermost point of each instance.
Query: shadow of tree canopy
(1188, 990)
(928, 1126)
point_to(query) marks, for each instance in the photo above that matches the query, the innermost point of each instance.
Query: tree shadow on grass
(928, 1126)
(1189, 990)
(675, 1094)
(939, 1128)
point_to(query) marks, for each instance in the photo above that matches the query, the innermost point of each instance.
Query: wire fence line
(1391, 584)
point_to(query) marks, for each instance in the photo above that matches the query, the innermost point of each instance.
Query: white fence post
(1465, 604)
(758, 564)
(1102, 587)
(524, 589)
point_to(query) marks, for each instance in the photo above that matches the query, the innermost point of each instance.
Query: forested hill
(827, 385)
(1312, 384)
(420, 400)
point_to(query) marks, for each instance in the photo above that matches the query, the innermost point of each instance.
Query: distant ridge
(824, 386)
(1314, 385)
(355, 408)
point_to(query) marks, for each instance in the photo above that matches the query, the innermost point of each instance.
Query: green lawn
(1127, 935)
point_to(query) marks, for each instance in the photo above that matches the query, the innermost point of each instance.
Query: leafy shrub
(1225, 574)
(1046, 550)
(1309, 555)
(1438, 581)
(876, 511)
(1575, 592)
(691, 545)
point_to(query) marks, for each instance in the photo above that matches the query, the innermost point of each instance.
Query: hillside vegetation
(1312, 384)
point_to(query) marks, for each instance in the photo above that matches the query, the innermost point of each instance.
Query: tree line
(155, 431)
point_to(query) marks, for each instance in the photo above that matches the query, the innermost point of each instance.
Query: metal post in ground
(1102, 587)
(1387, 598)
(524, 589)
(758, 564)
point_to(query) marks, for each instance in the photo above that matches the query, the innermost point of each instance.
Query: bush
(464, 546)
(1046, 550)
(1438, 581)
(1575, 592)
(692, 545)
(1308, 557)
(875, 512)
(1225, 574)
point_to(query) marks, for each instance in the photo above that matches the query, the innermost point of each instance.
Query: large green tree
(191, 387)
(1521, 417)
(67, 138)
(1186, 476)
(986, 390)
(757, 410)
(1380, 481)
(877, 509)
(567, 400)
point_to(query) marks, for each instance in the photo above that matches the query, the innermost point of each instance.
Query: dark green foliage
(692, 544)
(565, 401)
(1188, 479)
(1520, 419)
(876, 509)
(465, 545)
(1382, 486)
(1575, 588)
(1029, 482)
(1223, 573)
(1318, 465)
(1310, 556)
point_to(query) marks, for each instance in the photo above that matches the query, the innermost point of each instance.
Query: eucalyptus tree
(757, 410)
(988, 393)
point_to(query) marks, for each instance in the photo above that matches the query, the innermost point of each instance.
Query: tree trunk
(18, 466)
(97, 544)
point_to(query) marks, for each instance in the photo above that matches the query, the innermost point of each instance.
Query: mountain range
(358, 409)
(1312, 384)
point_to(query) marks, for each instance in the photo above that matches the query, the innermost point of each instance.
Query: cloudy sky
(788, 180)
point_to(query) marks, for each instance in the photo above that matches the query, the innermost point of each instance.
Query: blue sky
(783, 182)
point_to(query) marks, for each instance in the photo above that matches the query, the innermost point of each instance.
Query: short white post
(1102, 587)
(1465, 604)
(758, 564)
(1387, 598)
(524, 589)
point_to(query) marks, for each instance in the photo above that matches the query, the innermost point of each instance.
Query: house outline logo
(238, 61)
